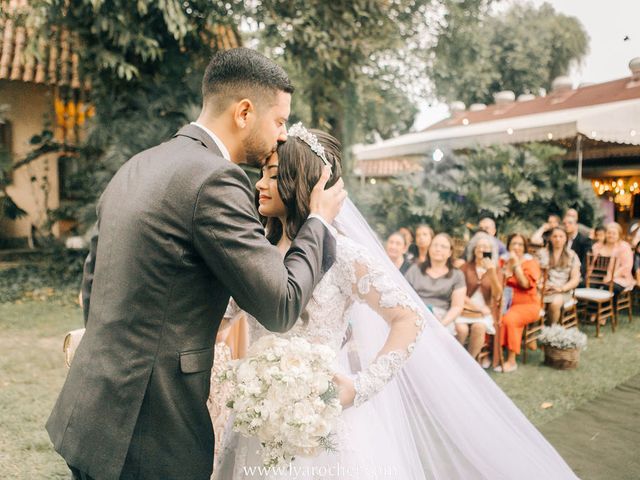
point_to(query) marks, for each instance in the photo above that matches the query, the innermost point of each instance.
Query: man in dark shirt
(577, 242)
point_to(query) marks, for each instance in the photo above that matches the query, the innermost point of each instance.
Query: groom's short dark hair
(242, 73)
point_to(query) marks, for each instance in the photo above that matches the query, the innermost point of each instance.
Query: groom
(179, 234)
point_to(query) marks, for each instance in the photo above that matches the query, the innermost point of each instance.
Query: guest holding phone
(484, 288)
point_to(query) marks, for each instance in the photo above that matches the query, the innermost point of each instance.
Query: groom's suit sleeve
(228, 235)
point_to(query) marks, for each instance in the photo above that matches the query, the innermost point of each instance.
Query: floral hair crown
(299, 131)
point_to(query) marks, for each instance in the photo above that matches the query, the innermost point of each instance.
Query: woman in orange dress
(522, 273)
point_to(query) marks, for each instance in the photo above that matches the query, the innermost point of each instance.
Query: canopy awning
(617, 122)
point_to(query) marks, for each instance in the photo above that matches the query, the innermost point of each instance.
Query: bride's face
(270, 203)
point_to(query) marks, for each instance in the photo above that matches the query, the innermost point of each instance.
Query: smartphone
(486, 254)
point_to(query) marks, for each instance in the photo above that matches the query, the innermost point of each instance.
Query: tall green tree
(480, 51)
(351, 59)
(144, 62)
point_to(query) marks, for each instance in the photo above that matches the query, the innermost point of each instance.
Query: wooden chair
(624, 302)
(491, 347)
(569, 314)
(596, 301)
(532, 331)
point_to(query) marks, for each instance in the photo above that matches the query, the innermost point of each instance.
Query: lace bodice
(354, 277)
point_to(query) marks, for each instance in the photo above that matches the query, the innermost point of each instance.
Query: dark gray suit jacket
(178, 234)
(582, 246)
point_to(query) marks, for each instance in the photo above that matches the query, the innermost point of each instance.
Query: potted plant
(562, 346)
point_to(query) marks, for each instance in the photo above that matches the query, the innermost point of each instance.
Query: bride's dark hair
(299, 169)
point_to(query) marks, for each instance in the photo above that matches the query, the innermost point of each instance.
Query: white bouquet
(282, 393)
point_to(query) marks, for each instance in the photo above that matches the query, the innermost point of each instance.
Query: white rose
(320, 428)
(302, 411)
(300, 390)
(291, 362)
(253, 388)
(320, 384)
(246, 372)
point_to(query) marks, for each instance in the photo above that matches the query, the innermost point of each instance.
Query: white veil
(452, 421)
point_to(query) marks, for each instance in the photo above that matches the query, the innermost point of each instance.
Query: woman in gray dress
(440, 286)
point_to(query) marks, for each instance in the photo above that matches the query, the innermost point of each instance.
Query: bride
(416, 405)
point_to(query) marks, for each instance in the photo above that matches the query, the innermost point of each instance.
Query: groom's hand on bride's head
(327, 203)
(346, 390)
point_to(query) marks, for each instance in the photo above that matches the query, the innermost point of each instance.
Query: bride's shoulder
(350, 251)
(345, 244)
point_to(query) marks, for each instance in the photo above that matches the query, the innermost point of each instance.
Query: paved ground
(601, 439)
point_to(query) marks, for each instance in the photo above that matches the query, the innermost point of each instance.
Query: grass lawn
(32, 373)
(607, 362)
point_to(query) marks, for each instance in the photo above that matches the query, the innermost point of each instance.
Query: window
(6, 174)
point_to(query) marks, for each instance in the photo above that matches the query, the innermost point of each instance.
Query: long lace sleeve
(373, 286)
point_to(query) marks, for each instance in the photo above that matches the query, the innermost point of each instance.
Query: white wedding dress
(362, 438)
(422, 411)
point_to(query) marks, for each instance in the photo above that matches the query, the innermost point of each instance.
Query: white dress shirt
(214, 137)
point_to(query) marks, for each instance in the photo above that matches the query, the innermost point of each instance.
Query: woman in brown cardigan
(484, 286)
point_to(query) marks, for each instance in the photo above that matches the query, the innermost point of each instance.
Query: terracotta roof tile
(608, 92)
(57, 62)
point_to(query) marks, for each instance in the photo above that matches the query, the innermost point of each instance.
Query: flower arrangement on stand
(562, 346)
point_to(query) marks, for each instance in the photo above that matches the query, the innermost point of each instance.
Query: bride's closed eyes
(269, 200)
(270, 171)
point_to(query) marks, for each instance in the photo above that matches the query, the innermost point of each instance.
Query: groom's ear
(243, 113)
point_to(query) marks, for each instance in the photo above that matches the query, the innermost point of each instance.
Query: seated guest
(396, 249)
(488, 225)
(563, 273)
(522, 273)
(424, 235)
(440, 286)
(617, 248)
(636, 263)
(634, 234)
(577, 242)
(598, 237)
(484, 288)
(583, 229)
(408, 240)
(541, 236)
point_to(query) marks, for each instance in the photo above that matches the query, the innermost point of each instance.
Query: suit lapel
(199, 135)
